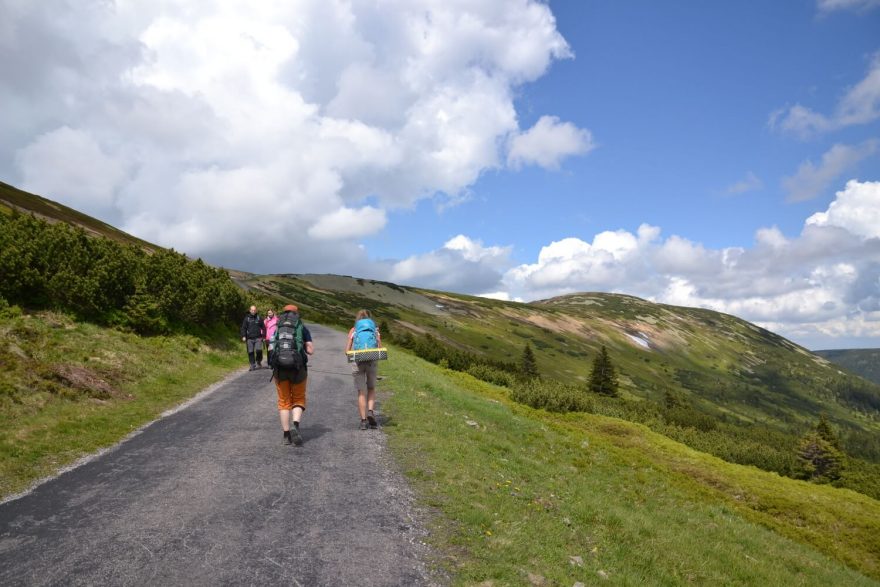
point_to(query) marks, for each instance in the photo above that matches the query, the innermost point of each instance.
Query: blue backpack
(364, 335)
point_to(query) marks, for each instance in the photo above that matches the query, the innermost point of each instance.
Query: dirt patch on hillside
(563, 323)
(84, 381)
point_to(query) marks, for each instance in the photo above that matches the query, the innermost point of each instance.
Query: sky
(722, 155)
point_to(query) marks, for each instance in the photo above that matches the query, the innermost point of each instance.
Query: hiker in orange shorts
(292, 343)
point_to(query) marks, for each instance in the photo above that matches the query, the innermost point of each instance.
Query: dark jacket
(252, 326)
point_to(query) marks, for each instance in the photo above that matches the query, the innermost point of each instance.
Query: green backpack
(288, 353)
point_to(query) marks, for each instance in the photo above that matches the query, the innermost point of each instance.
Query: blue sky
(721, 155)
(678, 96)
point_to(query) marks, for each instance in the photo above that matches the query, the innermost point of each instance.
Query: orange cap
(291, 308)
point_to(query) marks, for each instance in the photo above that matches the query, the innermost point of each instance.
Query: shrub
(551, 395)
(492, 375)
(58, 266)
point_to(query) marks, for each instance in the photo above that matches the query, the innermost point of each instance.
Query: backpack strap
(298, 335)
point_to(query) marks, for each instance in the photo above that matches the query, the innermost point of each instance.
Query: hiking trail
(209, 495)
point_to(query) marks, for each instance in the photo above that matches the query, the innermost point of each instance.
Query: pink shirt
(271, 326)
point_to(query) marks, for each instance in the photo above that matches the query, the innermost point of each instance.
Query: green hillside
(624, 489)
(531, 498)
(725, 365)
(12, 198)
(715, 382)
(863, 362)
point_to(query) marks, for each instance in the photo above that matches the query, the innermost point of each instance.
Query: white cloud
(826, 6)
(856, 209)
(349, 223)
(547, 143)
(197, 115)
(462, 264)
(499, 295)
(817, 286)
(859, 105)
(749, 183)
(811, 180)
(72, 161)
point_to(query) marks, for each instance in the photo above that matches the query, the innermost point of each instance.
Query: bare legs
(366, 401)
(285, 417)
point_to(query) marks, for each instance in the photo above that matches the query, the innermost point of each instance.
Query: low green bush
(551, 395)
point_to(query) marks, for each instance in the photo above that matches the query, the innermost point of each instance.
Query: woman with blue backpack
(365, 335)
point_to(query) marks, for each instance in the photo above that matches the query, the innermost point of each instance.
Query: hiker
(365, 335)
(292, 344)
(269, 325)
(252, 332)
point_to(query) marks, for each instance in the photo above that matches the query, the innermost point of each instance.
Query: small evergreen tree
(826, 432)
(529, 366)
(819, 460)
(603, 377)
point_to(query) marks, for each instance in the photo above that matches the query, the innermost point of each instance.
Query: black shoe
(372, 421)
(363, 424)
(287, 440)
(297, 437)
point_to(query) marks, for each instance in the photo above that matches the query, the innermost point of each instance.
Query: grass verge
(69, 388)
(527, 497)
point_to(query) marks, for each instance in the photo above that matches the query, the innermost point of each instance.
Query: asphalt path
(210, 495)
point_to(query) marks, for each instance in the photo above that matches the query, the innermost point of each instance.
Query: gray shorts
(365, 375)
(254, 344)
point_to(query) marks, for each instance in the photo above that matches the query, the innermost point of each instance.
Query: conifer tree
(819, 460)
(824, 430)
(603, 377)
(528, 365)
(820, 454)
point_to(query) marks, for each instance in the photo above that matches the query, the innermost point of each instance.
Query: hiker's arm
(378, 338)
(310, 348)
(350, 340)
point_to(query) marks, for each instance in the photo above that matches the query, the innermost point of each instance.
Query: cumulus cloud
(80, 167)
(191, 122)
(811, 180)
(462, 264)
(349, 223)
(859, 105)
(856, 209)
(547, 143)
(819, 285)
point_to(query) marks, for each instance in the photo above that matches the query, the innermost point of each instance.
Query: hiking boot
(252, 368)
(287, 439)
(363, 424)
(297, 437)
(372, 420)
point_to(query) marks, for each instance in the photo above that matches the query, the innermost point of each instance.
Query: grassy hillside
(12, 198)
(863, 362)
(77, 298)
(528, 497)
(715, 382)
(525, 496)
(68, 388)
(725, 366)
